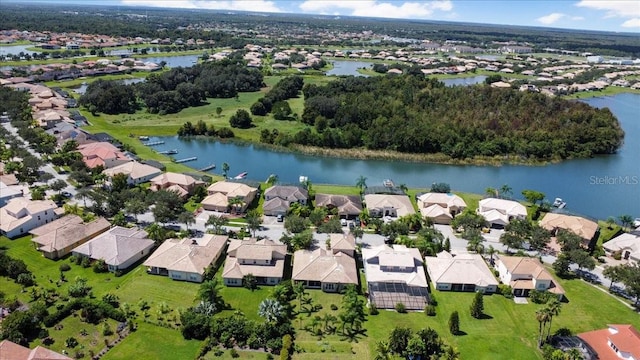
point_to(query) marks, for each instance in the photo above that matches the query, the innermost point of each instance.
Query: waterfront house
(137, 173)
(463, 272)
(57, 238)
(181, 184)
(627, 244)
(20, 215)
(524, 274)
(278, 199)
(380, 205)
(264, 259)
(617, 341)
(586, 229)
(102, 154)
(222, 195)
(119, 247)
(395, 275)
(499, 212)
(439, 207)
(348, 206)
(186, 259)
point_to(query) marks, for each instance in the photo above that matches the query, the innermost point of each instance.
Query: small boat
(241, 176)
(143, 138)
(388, 183)
(303, 179)
(559, 203)
(172, 151)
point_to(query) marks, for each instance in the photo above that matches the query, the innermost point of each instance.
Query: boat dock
(168, 152)
(154, 143)
(185, 160)
(208, 167)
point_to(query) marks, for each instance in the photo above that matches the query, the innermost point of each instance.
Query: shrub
(430, 310)
(454, 323)
(65, 267)
(617, 255)
(106, 329)
(100, 266)
(71, 342)
(540, 297)
(401, 308)
(373, 310)
(334, 307)
(85, 262)
(505, 290)
(234, 354)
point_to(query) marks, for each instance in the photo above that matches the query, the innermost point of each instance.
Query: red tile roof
(625, 337)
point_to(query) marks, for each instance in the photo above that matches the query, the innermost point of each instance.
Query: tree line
(414, 114)
(173, 90)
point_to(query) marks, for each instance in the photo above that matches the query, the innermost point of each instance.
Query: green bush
(505, 290)
(234, 354)
(430, 310)
(401, 308)
(65, 267)
(373, 310)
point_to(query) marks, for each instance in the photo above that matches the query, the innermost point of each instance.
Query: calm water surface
(599, 187)
(348, 67)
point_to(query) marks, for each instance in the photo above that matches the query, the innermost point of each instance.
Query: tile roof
(462, 269)
(507, 207)
(174, 179)
(289, 193)
(12, 351)
(630, 241)
(67, 231)
(442, 199)
(250, 249)
(344, 242)
(580, 226)
(231, 189)
(133, 169)
(322, 265)
(401, 203)
(624, 336)
(19, 210)
(188, 255)
(346, 204)
(116, 246)
(399, 255)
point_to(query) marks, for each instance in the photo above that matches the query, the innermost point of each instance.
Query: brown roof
(580, 226)
(13, 351)
(67, 231)
(346, 204)
(344, 242)
(321, 265)
(625, 337)
(526, 265)
(188, 255)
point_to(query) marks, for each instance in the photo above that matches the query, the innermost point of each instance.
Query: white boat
(241, 176)
(143, 138)
(559, 203)
(388, 183)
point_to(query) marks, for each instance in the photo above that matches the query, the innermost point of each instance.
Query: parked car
(343, 222)
(279, 218)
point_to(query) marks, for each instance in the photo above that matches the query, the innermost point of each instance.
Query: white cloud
(631, 23)
(238, 5)
(374, 8)
(613, 8)
(550, 19)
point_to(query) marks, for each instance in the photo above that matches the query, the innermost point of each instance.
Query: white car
(343, 222)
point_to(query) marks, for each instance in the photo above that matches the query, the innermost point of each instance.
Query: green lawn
(154, 343)
(472, 200)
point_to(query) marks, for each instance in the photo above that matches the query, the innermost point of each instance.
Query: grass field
(151, 342)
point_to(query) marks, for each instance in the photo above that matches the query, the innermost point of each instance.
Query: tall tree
(477, 306)
(254, 221)
(613, 273)
(506, 191)
(361, 183)
(187, 218)
(625, 221)
(454, 323)
(225, 170)
(399, 339)
(553, 307)
(217, 222)
(542, 315)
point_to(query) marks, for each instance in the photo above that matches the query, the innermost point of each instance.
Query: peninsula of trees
(413, 114)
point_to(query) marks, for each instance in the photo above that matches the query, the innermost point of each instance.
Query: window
(38, 217)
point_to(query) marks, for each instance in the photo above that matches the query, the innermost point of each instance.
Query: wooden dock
(185, 160)
(208, 167)
(154, 143)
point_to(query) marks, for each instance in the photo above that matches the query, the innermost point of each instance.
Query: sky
(605, 15)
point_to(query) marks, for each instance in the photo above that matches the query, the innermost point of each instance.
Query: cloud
(613, 8)
(238, 5)
(631, 23)
(374, 8)
(550, 19)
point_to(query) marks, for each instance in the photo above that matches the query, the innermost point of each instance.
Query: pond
(343, 67)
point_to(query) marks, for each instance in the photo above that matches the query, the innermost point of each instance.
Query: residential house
(186, 259)
(348, 206)
(440, 207)
(588, 230)
(324, 269)
(12, 351)
(102, 154)
(119, 247)
(264, 259)
(223, 194)
(463, 272)
(278, 199)
(395, 275)
(388, 205)
(628, 244)
(182, 184)
(617, 341)
(136, 172)
(345, 243)
(8, 192)
(499, 212)
(57, 238)
(524, 274)
(21, 215)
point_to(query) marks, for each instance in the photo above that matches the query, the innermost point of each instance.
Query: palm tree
(254, 221)
(272, 179)
(83, 193)
(187, 218)
(328, 320)
(491, 192)
(491, 251)
(382, 351)
(271, 310)
(235, 203)
(217, 222)
(553, 308)
(542, 315)
(625, 221)
(451, 353)
(225, 169)
(404, 188)
(506, 190)
(361, 183)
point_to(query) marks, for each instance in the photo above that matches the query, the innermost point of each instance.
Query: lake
(83, 88)
(599, 187)
(465, 81)
(348, 68)
(17, 49)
